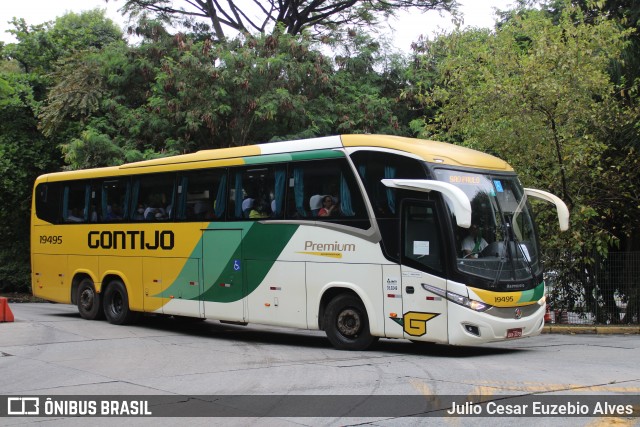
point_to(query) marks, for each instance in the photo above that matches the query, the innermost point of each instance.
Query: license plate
(514, 333)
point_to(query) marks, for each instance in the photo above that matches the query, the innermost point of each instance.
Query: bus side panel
(391, 289)
(281, 298)
(83, 264)
(363, 279)
(49, 277)
(223, 271)
(173, 286)
(129, 269)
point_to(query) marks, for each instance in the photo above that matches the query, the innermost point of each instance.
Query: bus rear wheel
(116, 304)
(89, 303)
(347, 325)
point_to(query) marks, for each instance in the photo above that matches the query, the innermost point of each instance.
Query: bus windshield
(501, 244)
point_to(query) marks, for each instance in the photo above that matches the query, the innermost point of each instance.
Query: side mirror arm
(561, 207)
(458, 200)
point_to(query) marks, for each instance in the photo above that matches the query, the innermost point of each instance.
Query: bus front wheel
(116, 304)
(347, 325)
(89, 304)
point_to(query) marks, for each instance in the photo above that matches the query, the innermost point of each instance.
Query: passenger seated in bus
(155, 214)
(138, 215)
(260, 210)
(204, 209)
(75, 216)
(473, 244)
(315, 204)
(155, 211)
(329, 207)
(199, 209)
(247, 205)
(94, 214)
(114, 213)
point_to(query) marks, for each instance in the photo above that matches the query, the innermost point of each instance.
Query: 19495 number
(504, 299)
(52, 240)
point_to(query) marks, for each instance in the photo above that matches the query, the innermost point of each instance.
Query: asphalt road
(49, 350)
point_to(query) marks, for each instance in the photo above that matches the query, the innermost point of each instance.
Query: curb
(592, 329)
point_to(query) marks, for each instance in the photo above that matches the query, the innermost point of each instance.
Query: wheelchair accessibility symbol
(236, 265)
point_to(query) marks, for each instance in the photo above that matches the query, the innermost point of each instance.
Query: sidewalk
(552, 328)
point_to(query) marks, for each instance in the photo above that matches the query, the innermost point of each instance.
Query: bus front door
(223, 275)
(424, 313)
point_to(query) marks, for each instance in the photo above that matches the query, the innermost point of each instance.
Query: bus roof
(430, 151)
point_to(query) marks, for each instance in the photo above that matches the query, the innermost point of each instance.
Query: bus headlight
(458, 299)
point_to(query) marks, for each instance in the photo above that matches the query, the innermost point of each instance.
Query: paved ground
(50, 351)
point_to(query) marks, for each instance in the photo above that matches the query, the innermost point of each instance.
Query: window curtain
(362, 170)
(126, 199)
(390, 173)
(345, 198)
(183, 191)
(105, 203)
(65, 203)
(87, 202)
(221, 200)
(135, 193)
(238, 195)
(298, 190)
(279, 191)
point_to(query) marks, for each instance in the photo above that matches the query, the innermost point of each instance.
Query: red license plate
(514, 333)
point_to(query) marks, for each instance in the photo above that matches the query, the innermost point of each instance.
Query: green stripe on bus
(296, 156)
(318, 154)
(533, 294)
(267, 158)
(260, 242)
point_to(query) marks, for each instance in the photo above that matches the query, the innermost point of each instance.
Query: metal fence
(587, 289)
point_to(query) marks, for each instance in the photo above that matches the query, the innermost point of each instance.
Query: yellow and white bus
(362, 236)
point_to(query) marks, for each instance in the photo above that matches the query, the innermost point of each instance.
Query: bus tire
(347, 325)
(89, 302)
(116, 304)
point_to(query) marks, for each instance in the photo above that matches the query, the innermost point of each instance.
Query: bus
(361, 236)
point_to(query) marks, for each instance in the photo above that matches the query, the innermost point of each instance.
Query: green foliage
(228, 94)
(92, 149)
(40, 46)
(175, 93)
(24, 154)
(366, 86)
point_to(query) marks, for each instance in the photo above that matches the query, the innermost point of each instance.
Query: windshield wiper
(505, 244)
(517, 232)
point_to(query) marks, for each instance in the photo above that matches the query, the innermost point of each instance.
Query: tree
(293, 15)
(24, 154)
(174, 94)
(40, 46)
(366, 86)
(178, 93)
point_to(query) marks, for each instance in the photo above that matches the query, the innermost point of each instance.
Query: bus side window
(202, 195)
(48, 202)
(114, 200)
(257, 193)
(325, 190)
(421, 240)
(75, 202)
(153, 197)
